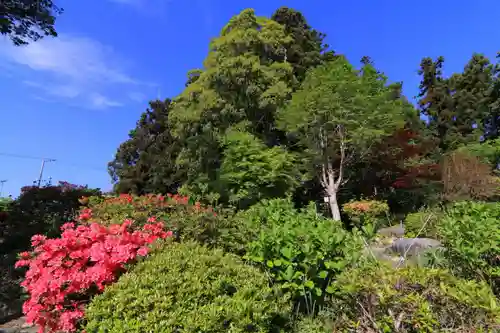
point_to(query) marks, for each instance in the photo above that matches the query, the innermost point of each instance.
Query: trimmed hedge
(185, 287)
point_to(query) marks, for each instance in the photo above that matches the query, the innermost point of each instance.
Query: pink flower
(83, 258)
(143, 251)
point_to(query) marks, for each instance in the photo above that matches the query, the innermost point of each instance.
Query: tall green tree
(146, 162)
(472, 97)
(492, 120)
(436, 102)
(307, 49)
(28, 20)
(245, 78)
(338, 114)
(463, 108)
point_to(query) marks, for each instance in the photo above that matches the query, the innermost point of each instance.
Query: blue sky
(75, 98)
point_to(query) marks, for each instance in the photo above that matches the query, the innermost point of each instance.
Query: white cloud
(101, 102)
(148, 7)
(137, 96)
(71, 67)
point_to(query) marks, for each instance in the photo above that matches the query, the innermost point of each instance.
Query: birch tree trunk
(330, 184)
(334, 206)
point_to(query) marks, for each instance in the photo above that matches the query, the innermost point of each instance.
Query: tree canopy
(274, 112)
(28, 20)
(338, 114)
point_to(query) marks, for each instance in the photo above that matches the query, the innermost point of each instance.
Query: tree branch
(341, 134)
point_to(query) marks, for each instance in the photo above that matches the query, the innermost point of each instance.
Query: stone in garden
(394, 231)
(414, 246)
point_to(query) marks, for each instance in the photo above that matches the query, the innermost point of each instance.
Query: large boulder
(414, 246)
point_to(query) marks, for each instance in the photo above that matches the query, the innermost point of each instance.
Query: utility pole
(1, 186)
(41, 169)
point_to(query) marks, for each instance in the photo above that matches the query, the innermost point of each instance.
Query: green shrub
(422, 224)
(189, 220)
(40, 210)
(378, 298)
(245, 226)
(302, 250)
(189, 288)
(367, 215)
(5, 204)
(470, 232)
(308, 324)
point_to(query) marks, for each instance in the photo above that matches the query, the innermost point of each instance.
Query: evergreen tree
(244, 80)
(307, 49)
(463, 108)
(145, 163)
(436, 102)
(492, 120)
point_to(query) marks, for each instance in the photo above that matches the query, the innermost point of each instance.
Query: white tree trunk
(331, 180)
(334, 206)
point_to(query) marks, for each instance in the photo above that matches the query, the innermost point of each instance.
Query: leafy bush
(470, 232)
(377, 298)
(308, 324)
(189, 288)
(422, 224)
(64, 273)
(5, 206)
(246, 225)
(40, 210)
(366, 214)
(189, 221)
(302, 250)
(250, 171)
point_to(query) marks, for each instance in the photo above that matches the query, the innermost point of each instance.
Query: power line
(22, 156)
(59, 162)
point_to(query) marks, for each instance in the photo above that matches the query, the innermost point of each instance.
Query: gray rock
(394, 231)
(414, 246)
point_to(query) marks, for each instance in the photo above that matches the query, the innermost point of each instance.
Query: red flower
(83, 257)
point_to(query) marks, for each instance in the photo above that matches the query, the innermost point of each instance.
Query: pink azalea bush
(64, 273)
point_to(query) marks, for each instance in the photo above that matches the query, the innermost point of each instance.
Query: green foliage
(488, 152)
(5, 204)
(25, 21)
(244, 80)
(422, 224)
(470, 232)
(367, 214)
(377, 298)
(463, 107)
(334, 95)
(189, 220)
(189, 288)
(306, 50)
(145, 163)
(245, 226)
(308, 324)
(40, 210)
(251, 172)
(302, 250)
(338, 114)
